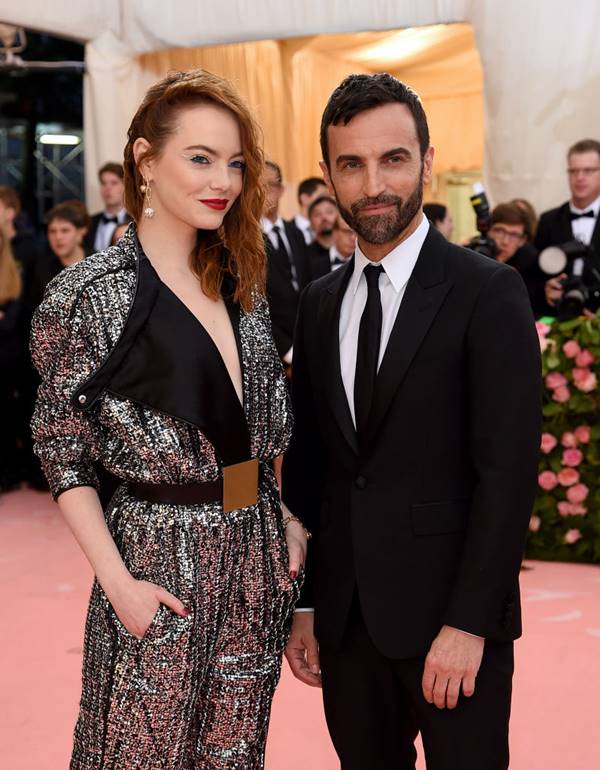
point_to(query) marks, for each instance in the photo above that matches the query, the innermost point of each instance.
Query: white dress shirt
(334, 255)
(583, 228)
(268, 230)
(105, 230)
(303, 224)
(398, 266)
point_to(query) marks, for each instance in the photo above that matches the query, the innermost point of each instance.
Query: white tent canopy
(540, 65)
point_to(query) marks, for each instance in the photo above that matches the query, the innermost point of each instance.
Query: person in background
(323, 214)
(287, 267)
(67, 225)
(24, 246)
(344, 243)
(103, 223)
(532, 217)
(440, 217)
(308, 190)
(11, 354)
(578, 218)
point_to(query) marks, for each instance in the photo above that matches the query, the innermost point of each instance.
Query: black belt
(237, 489)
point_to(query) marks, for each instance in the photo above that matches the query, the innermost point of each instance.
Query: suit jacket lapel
(329, 318)
(424, 295)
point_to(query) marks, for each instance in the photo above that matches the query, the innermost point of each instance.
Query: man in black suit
(308, 190)
(417, 398)
(578, 219)
(104, 223)
(322, 214)
(287, 270)
(344, 242)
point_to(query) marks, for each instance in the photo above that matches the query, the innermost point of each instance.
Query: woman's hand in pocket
(296, 539)
(136, 603)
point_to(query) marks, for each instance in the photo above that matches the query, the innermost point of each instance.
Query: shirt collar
(398, 264)
(594, 206)
(302, 222)
(267, 225)
(335, 254)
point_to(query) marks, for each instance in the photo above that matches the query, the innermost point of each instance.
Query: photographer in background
(509, 229)
(578, 218)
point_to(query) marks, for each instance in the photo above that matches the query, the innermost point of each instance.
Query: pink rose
(542, 329)
(577, 493)
(562, 394)
(589, 383)
(579, 375)
(571, 509)
(569, 440)
(572, 457)
(583, 434)
(568, 476)
(571, 349)
(572, 536)
(548, 443)
(534, 523)
(585, 358)
(547, 480)
(555, 380)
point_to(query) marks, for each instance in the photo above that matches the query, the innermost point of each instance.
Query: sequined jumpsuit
(131, 380)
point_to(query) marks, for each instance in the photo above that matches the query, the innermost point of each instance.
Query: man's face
(273, 191)
(508, 239)
(111, 189)
(344, 238)
(583, 169)
(323, 217)
(377, 173)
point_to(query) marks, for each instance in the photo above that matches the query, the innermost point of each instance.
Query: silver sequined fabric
(195, 693)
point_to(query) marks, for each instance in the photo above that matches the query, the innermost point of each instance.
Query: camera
(482, 244)
(581, 288)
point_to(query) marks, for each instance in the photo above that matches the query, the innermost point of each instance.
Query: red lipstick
(219, 204)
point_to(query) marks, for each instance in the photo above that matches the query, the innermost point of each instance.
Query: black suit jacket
(283, 297)
(428, 520)
(319, 261)
(554, 229)
(90, 236)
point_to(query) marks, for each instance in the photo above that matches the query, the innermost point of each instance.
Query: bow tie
(589, 214)
(338, 261)
(106, 218)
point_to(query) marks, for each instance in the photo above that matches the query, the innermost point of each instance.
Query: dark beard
(384, 228)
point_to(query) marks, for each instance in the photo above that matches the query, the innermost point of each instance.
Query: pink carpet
(44, 585)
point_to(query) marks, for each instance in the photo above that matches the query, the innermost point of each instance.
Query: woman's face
(199, 173)
(64, 238)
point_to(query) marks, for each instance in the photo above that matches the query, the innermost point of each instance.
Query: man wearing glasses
(578, 218)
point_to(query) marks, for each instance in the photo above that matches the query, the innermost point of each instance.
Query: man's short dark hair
(435, 212)
(510, 214)
(308, 186)
(584, 145)
(319, 200)
(10, 199)
(276, 168)
(111, 168)
(359, 93)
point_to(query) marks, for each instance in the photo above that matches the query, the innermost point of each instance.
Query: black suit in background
(525, 262)
(319, 260)
(425, 524)
(554, 229)
(283, 296)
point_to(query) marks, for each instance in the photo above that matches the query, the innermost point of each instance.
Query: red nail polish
(293, 574)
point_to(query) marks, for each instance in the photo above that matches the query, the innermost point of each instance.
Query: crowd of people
(316, 241)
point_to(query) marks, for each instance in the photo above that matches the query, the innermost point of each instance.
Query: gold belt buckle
(240, 485)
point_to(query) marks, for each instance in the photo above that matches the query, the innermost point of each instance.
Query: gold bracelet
(287, 519)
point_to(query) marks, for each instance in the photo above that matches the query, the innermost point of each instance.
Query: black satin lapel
(416, 314)
(329, 321)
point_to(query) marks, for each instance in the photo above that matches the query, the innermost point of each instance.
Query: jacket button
(360, 482)
(82, 399)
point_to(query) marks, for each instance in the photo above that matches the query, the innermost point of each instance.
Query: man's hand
(454, 658)
(553, 289)
(302, 651)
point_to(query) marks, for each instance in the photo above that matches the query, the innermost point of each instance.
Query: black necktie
(589, 214)
(106, 218)
(367, 354)
(281, 248)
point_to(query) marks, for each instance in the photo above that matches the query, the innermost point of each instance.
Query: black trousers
(375, 708)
